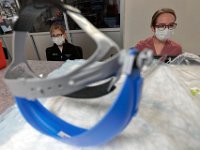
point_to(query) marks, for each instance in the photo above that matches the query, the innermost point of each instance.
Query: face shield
(26, 87)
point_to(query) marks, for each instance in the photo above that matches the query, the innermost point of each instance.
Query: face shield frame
(26, 87)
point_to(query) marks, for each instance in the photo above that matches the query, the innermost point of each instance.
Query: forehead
(165, 18)
(56, 31)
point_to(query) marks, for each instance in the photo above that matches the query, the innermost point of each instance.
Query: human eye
(59, 35)
(161, 26)
(172, 26)
(56, 35)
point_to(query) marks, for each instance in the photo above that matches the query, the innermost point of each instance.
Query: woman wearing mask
(61, 50)
(163, 24)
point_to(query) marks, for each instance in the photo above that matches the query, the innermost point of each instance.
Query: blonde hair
(57, 26)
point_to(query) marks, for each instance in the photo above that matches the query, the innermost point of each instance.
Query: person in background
(1, 32)
(4, 26)
(163, 24)
(62, 50)
(1, 19)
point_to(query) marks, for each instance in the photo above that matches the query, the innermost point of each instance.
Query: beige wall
(138, 15)
(30, 51)
(42, 41)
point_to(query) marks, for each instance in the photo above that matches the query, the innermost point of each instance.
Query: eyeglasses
(57, 35)
(162, 27)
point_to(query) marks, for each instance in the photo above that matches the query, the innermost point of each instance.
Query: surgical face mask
(58, 40)
(164, 34)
